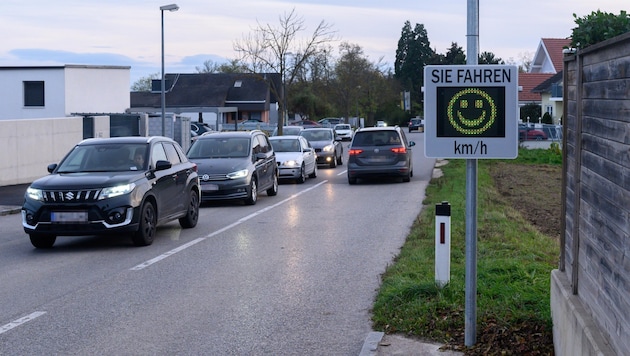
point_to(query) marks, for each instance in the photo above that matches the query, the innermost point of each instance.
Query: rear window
(376, 138)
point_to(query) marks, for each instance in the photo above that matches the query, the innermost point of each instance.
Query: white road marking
(20, 321)
(148, 263)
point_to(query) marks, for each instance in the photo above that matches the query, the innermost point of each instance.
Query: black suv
(113, 185)
(235, 165)
(380, 152)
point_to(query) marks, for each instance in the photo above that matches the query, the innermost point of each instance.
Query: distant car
(344, 131)
(112, 186)
(199, 128)
(330, 122)
(327, 145)
(381, 123)
(235, 165)
(288, 130)
(380, 152)
(306, 124)
(296, 158)
(529, 133)
(416, 125)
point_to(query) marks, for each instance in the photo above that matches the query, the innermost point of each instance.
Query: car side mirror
(260, 155)
(51, 167)
(162, 165)
(412, 143)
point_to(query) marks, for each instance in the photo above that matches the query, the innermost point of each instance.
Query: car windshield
(317, 135)
(342, 127)
(376, 138)
(105, 158)
(219, 147)
(286, 145)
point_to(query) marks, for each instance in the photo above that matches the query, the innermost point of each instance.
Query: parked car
(296, 157)
(529, 133)
(249, 125)
(306, 124)
(416, 125)
(327, 145)
(199, 128)
(235, 165)
(380, 152)
(344, 131)
(113, 185)
(288, 130)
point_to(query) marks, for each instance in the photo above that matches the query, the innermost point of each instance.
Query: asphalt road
(295, 274)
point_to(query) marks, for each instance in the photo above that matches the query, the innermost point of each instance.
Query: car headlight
(111, 192)
(290, 163)
(328, 148)
(35, 194)
(238, 174)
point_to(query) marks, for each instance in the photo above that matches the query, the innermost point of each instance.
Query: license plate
(209, 187)
(69, 216)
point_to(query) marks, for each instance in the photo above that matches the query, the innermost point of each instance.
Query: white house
(37, 125)
(60, 91)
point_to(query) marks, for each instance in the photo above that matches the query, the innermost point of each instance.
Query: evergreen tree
(413, 53)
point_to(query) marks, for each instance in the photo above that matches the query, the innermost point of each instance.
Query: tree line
(322, 81)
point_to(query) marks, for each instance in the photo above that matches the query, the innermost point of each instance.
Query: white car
(296, 157)
(344, 131)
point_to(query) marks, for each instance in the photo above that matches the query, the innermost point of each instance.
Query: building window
(34, 93)
(549, 110)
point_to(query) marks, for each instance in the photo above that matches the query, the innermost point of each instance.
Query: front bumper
(224, 190)
(103, 217)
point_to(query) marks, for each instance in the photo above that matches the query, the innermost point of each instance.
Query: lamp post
(170, 7)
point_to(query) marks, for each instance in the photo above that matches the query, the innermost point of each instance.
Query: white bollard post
(442, 244)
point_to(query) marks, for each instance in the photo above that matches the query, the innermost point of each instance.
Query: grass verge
(514, 262)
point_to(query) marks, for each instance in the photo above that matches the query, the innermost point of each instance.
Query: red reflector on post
(442, 233)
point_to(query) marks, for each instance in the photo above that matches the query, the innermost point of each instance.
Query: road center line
(148, 263)
(20, 321)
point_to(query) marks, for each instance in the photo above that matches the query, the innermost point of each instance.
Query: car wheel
(274, 187)
(407, 178)
(148, 226)
(302, 178)
(42, 240)
(314, 174)
(252, 194)
(539, 138)
(192, 214)
(340, 159)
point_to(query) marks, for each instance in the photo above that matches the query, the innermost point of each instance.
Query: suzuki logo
(69, 196)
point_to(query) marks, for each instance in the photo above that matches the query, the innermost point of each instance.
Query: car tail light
(401, 150)
(355, 151)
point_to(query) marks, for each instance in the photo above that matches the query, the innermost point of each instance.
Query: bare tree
(267, 48)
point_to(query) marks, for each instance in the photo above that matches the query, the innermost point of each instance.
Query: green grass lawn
(514, 262)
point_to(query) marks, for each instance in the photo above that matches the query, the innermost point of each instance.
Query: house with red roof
(542, 85)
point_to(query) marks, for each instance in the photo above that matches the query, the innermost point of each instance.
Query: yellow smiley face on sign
(471, 111)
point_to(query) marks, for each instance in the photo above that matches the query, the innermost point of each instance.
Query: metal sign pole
(470, 320)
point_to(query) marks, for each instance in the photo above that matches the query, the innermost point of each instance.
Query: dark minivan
(380, 152)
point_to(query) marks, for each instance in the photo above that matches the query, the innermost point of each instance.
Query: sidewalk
(11, 198)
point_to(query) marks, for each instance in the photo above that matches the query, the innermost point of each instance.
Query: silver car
(296, 158)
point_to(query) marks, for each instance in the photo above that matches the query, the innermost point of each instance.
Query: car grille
(212, 177)
(71, 196)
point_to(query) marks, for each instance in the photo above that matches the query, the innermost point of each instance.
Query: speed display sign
(471, 111)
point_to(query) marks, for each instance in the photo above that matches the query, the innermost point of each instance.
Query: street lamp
(170, 7)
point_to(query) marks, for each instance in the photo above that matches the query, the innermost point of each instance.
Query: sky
(128, 32)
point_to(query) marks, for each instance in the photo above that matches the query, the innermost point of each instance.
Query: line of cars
(131, 185)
